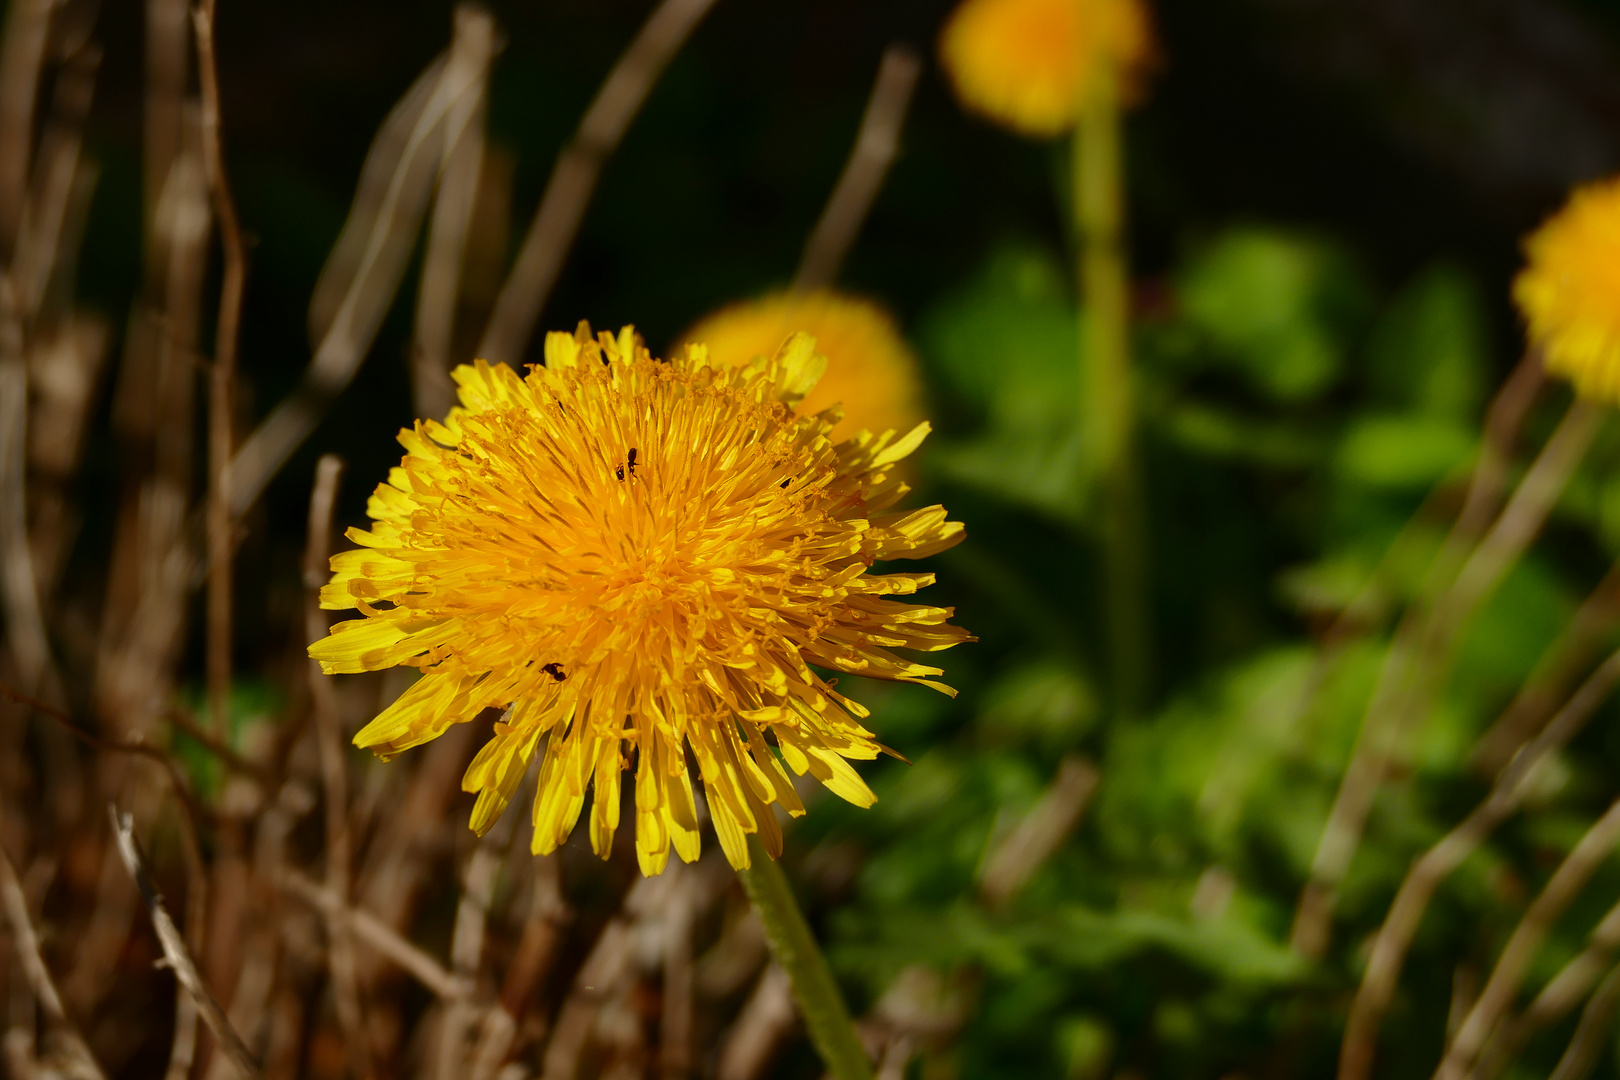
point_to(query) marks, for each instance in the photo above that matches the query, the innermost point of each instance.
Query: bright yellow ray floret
(637, 560)
(1023, 63)
(1569, 290)
(871, 374)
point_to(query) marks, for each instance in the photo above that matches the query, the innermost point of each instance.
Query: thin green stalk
(1107, 406)
(794, 947)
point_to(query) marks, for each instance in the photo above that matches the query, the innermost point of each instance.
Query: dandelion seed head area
(1569, 290)
(1023, 63)
(637, 558)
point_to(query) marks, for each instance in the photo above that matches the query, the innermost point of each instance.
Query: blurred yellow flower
(635, 559)
(871, 374)
(1023, 63)
(1569, 290)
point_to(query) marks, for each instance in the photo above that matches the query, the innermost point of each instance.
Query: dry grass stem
(21, 59)
(330, 738)
(573, 178)
(175, 951)
(765, 1022)
(38, 975)
(437, 298)
(364, 271)
(875, 146)
(222, 374)
(1595, 845)
(1394, 937)
(25, 620)
(1040, 833)
(377, 934)
(1576, 647)
(1591, 1034)
(608, 963)
(1419, 656)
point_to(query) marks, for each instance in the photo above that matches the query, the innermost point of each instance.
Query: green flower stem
(1107, 408)
(794, 947)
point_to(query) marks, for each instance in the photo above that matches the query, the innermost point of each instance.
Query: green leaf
(1274, 304)
(1429, 351)
(1402, 452)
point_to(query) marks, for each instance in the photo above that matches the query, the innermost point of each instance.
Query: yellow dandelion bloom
(1023, 63)
(871, 374)
(638, 560)
(1569, 290)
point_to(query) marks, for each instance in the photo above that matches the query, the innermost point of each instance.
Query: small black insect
(629, 463)
(555, 671)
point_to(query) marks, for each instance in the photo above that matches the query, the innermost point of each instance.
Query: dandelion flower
(1023, 63)
(871, 374)
(637, 560)
(1569, 291)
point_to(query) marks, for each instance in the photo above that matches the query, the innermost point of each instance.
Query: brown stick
(1587, 1042)
(1576, 647)
(765, 1021)
(365, 269)
(22, 56)
(15, 905)
(329, 735)
(1400, 925)
(607, 964)
(1040, 833)
(573, 179)
(467, 941)
(375, 933)
(1419, 655)
(869, 161)
(1594, 846)
(25, 621)
(222, 376)
(174, 949)
(431, 388)
(1561, 994)
(679, 914)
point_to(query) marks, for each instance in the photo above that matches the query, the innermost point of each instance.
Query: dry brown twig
(1586, 1044)
(15, 904)
(767, 1018)
(376, 934)
(364, 271)
(329, 736)
(875, 146)
(1040, 833)
(1395, 936)
(175, 951)
(1595, 845)
(222, 375)
(1419, 655)
(440, 289)
(1561, 994)
(27, 31)
(467, 941)
(573, 178)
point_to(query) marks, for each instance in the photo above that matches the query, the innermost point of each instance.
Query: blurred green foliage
(1298, 421)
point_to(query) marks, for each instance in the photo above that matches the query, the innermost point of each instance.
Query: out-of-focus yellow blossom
(636, 560)
(871, 374)
(1023, 63)
(1569, 290)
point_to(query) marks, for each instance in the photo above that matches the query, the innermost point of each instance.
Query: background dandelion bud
(871, 373)
(635, 559)
(1023, 63)
(1569, 290)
